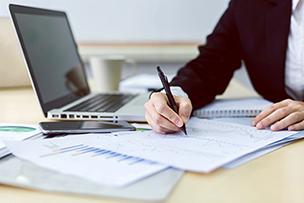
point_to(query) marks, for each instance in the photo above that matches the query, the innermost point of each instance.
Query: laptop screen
(52, 56)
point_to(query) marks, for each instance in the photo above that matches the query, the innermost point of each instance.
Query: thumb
(185, 108)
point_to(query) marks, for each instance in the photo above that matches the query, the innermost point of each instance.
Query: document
(14, 131)
(208, 146)
(3, 150)
(21, 173)
(69, 155)
(265, 150)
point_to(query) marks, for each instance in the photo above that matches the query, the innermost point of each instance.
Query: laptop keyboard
(103, 103)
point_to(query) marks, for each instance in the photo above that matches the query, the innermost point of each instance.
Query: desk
(277, 177)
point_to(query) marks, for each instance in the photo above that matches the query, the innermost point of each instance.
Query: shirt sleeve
(210, 72)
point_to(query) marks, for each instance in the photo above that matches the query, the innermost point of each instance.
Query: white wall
(135, 20)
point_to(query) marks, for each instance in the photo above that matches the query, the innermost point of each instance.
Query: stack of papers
(71, 156)
(265, 150)
(20, 173)
(209, 145)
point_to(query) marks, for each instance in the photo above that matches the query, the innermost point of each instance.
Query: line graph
(78, 156)
(82, 149)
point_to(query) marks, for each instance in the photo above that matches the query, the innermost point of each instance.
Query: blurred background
(135, 20)
(146, 32)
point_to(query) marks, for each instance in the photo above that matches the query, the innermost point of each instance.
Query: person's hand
(162, 118)
(285, 114)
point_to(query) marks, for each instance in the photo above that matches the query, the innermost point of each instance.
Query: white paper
(141, 83)
(2, 145)
(69, 155)
(14, 131)
(142, 126)
(3, 150)
(265, 150)
(209, 144)
(252, 156)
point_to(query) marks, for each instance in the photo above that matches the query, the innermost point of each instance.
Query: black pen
(171, 101)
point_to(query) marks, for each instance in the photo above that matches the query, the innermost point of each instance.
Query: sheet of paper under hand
(71, 156)
(208, 146)
(265, 150)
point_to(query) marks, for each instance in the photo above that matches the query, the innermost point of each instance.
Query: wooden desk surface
(277, 177)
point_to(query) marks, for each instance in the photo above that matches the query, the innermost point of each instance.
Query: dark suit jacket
(253, 31)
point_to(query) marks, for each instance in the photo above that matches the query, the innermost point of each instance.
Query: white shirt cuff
(177, 91)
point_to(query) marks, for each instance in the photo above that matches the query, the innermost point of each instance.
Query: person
(268, 36)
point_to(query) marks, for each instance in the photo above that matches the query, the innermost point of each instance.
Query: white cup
(106, 72)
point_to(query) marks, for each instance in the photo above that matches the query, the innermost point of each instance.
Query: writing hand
(162, 118)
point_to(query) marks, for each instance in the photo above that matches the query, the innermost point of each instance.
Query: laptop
(57, 72)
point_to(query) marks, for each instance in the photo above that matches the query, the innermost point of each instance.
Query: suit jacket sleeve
(209, 74)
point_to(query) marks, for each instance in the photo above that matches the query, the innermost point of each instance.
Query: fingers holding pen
(157, 128)
(160, 119)
(185, 108)
(159, 102)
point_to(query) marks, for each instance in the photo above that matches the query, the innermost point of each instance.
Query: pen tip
(184, 130)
